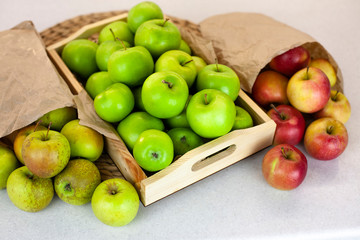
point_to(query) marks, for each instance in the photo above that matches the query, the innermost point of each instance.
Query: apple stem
(307, 72)
(112, 32)
(284, 153)
(187, 62)
(37, 124)
(277, 111)
(217, 64)
(205, 99)
(168, 83)
(47, 133)
(329, 129)
(68, 187)
(165, 20)
(335, 96)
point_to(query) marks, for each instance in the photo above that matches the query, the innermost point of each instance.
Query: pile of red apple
(295, 90)
(144, 80)
(59, 159)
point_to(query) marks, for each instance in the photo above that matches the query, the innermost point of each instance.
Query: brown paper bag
(247, 42)
(29, 84)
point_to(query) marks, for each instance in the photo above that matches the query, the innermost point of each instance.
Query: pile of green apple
(301, 86)
(59, 159)
(163, 100)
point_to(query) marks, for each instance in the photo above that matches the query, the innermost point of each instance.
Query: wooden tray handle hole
(214, 157)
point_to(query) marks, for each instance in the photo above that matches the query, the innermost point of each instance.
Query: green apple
(143, 12)
(115, 202)
(199, 63)
(153, 150)
(184, 140)
(220, 77)
(115, 103)
(134, 124)
(106, 49)
(243, 119)
(164, 94)
(158, 36)
(84, 141)
(179, 62)
(131, 66)
(20, 137)
(185, 47)
(97, 83)
(46, 153)
(116, 30)
(211, 113)
(29, 192)
(138, 100)
(77, 182)
(79, 57)
(179, 121)
(58, 118)
(8, 163)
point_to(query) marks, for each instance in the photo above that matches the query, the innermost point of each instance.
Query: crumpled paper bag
(29, 84)
(247, 42)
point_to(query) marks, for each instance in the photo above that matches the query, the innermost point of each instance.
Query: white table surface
(235, 203)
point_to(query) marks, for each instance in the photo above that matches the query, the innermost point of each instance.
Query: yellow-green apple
(179, 62)
(29, 192)
(284, 167)
(58, 118)
(130, 66)
(184, 140)
(79, 57)
(84, 141)
(185, 47)
(143, 12)
(158, 36)
(116, 30)
(106, 49)
(134, 124)
(325, 66)
(291, 61)
(243, 119)
(77, 182)
(270, 88)
(211, 113)
(46, 153)
(199, 63)
(153, 150)
(220, 77)
(20, 137)
(115, 202)
(8, 163)
(308, 90)
(164, 94)
(115, 103)
(325, 138)
(338, 107)
(290, 124)
(97, 83)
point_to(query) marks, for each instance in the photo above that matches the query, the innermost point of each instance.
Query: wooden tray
(190, 167)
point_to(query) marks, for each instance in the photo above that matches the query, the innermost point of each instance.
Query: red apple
(284, 167)
(308, 90)
(290, 124)
(270, 87)
(325, 138)
(291, 61)
(338, 107)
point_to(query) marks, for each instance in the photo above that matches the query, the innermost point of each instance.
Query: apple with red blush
(284, 167)
(290, 124)
(291, 61)
(325, 139)
(270, 87)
